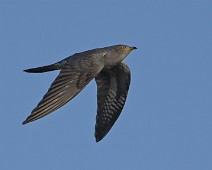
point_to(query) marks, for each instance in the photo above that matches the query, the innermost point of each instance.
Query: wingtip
(97, 140)
(25, 122)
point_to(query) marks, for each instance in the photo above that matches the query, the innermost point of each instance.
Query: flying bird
(112, 77)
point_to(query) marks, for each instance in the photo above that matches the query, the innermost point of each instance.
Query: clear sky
(166, 123)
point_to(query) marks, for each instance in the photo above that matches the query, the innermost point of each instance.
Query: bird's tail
(42, 69)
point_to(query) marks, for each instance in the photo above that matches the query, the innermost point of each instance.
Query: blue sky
(166, 122)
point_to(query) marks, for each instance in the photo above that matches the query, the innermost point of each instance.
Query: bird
(112, 77)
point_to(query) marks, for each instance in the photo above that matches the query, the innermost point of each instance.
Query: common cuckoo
(112, 77)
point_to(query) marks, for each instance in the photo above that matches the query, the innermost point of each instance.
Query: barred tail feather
(43, 69)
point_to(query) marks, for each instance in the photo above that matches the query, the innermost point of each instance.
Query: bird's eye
(121, 47)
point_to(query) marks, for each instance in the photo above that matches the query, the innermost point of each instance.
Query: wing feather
(69, 82)
(112, 90)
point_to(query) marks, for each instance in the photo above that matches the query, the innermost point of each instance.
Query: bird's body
(112, 77)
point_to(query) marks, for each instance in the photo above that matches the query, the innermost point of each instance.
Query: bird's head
(123, 50)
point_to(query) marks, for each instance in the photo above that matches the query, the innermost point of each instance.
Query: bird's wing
(71, 80)
(113, 85)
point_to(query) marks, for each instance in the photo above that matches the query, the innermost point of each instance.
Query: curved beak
(129, 48)
(133, 48)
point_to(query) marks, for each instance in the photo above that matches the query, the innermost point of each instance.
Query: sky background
(166, 123)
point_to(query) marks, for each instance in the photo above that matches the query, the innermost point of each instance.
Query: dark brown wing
(113, 85)
(66, 86)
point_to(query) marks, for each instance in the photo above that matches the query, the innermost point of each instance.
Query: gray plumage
(112, 78)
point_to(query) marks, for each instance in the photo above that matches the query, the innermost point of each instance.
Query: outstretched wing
(71, 80)
(113, 85)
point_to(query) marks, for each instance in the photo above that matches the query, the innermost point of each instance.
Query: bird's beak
(129, 48)
(133, 48)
